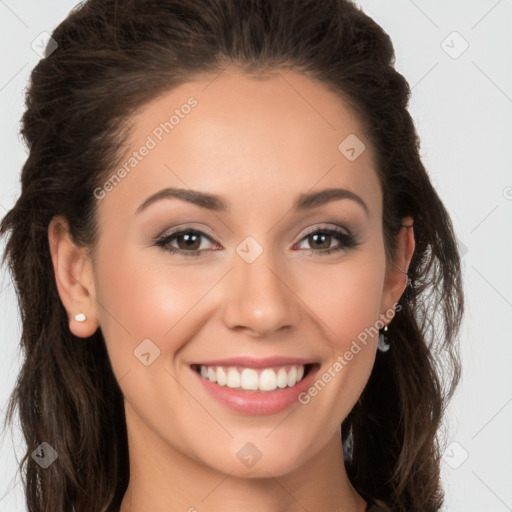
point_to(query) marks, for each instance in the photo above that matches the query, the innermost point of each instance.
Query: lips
(256, 386)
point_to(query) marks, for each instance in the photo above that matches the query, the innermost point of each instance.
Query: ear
(396, 279)
(74, 278)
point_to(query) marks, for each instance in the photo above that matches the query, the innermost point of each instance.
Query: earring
(80, 317)
(382, 345)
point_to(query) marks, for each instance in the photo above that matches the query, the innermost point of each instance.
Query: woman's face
(256, 286)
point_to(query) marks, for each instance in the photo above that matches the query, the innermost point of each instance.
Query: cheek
(345, 297)
(144, 298)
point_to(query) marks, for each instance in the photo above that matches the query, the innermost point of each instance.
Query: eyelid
(323, 225)
(204, 230)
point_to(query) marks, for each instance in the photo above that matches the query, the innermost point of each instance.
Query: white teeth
(212, 374)
(292, 376)
(249, 379)
(266, 379)
(233, 379)
(282, 378)
(221, 376)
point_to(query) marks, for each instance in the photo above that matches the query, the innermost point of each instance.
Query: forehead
(250, 135)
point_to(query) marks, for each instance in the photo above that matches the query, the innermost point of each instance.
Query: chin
(265, 467)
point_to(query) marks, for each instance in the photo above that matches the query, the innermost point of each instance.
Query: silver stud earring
(80, 317)
(382, 345)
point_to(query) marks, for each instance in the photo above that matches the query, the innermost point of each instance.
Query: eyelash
(348, 241)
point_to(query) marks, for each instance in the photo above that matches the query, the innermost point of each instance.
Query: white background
(463, 111)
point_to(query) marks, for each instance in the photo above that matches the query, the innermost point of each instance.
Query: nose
(259, 298)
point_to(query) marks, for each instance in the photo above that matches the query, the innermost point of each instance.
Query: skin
(258, 143)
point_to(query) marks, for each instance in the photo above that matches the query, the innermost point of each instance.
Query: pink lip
(257, 402)
(254, 362)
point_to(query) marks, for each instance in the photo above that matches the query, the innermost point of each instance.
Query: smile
(255, 387)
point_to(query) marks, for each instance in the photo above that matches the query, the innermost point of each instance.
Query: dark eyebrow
(314, 199)
(215, 203)
(208, 201)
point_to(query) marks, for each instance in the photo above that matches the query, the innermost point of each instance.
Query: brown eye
(187, 242)
(320, 241)
(190, 241)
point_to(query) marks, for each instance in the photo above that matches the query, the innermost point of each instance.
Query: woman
(266, 372)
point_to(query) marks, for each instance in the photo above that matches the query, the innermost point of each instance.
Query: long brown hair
(114, 56)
